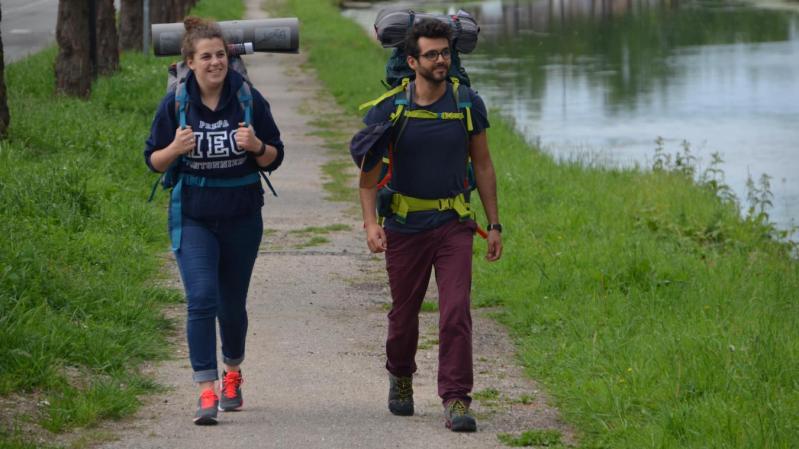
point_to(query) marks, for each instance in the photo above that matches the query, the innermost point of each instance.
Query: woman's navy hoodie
(216, 154)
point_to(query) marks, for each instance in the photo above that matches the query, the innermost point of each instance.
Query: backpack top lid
(392, 24)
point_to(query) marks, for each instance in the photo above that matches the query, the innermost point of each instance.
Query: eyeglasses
(433, 55)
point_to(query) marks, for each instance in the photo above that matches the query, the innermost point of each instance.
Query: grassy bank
(653, 313)
(81, 247)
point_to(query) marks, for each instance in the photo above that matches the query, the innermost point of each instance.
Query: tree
(169, 11)
(131, 17)
(73, 66)
(107, 38)
(159, 11)
(5, 118)
(181, 8)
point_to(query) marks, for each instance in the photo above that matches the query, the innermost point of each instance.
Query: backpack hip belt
(401, 205)
(176, 208)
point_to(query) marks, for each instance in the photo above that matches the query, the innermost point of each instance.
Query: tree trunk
(159, 11)
(4, 116)
(182, 8)
(73, 66)
(176, 10)
(107, 38)
(169, 11)
(131, 18)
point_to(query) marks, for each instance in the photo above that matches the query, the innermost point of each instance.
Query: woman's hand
(246, 139)
(184, 141)
(182, 144)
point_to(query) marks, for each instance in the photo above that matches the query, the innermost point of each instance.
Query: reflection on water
(607, 77)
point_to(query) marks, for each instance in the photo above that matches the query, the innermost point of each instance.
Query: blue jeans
(216, 258)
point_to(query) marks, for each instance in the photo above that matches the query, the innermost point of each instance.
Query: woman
(215, 212)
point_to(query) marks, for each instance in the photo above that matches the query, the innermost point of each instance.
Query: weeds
(759, 195)
(429, 306)
(540, 438)
(321, 229)
(487, 394)
(313, 241)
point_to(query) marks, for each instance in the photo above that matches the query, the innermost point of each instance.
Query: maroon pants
(409, 260)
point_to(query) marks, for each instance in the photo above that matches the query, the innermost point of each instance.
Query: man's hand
(376, 238)
(494, 246)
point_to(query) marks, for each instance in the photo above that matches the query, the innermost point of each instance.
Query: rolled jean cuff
(232, 362)
(208, 375)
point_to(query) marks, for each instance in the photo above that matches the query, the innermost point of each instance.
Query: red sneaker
(230, 392)
(206, 408)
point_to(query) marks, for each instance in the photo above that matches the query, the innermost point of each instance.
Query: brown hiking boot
(458, 417)
(400, 395)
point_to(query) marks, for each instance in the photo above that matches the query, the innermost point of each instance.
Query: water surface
(603, 79)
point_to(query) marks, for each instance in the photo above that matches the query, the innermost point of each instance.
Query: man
(429, 162)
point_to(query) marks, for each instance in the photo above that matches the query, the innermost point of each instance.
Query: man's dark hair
(429, 28)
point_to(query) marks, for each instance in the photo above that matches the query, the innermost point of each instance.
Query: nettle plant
(759, 195)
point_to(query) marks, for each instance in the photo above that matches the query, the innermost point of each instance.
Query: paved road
(28, 26)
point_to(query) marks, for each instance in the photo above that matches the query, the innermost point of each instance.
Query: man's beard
(430, 76)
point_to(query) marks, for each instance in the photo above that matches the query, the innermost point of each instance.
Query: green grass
(219, 10)
(654, 314)
(16, 440)
(337, 227)
(313, 241)
(427, 343)
(487, 394)
(316, 234)
(524, 399)
(81, 247)
(539, 438)
(429, 306)
(338, 170)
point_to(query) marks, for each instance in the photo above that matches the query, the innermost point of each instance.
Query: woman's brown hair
(196, 29)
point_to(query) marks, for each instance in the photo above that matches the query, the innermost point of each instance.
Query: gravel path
(314, 373)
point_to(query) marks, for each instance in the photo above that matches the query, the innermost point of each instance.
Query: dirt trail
(314, 373)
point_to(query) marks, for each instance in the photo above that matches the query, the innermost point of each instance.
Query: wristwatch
(261, 151)
(494, 226)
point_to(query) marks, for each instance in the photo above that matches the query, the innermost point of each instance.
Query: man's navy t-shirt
(429, 160)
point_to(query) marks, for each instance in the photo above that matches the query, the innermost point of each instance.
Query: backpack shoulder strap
(403, 102)
(388, 94)
(244, 96)
(459, 91)
(181, 102)
(245, 100)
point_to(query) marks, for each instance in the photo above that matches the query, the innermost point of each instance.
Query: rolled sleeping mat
(392, 25)
(266, 35)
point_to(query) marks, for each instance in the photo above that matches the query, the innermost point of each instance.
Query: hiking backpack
(392, 25)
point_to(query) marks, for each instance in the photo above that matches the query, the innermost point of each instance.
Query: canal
(600, 80)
